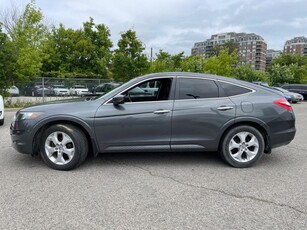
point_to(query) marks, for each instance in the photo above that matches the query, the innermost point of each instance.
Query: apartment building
(251, 48)
(297, 45)
(271, 54)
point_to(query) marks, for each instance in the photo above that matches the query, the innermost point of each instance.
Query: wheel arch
(84, 127)
(255, 123)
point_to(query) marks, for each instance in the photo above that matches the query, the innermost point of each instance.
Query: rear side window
(193, 88)
(232, 90)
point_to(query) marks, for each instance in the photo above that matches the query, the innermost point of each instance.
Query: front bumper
(21, 139)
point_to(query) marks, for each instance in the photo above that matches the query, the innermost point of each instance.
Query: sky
(175, 25)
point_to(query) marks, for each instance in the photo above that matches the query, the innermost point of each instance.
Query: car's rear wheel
(1, 121)
(242, 146)
(63, 146)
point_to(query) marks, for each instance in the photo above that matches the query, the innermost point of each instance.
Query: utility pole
(151, 54)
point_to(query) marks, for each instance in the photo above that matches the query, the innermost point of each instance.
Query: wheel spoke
(238, 155)
(233, 145)
(253, 142)
(50, 150)
(54, 138)
(66, 139)
(60, 159)
(250, 154)
(242, 136)
(69, 152)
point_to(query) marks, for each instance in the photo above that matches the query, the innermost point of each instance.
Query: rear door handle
(224, 108)
(162, 111)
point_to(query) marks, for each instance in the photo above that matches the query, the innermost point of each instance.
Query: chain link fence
(45, 89)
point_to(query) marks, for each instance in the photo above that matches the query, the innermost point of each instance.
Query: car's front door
(199, 114)
(141, 123)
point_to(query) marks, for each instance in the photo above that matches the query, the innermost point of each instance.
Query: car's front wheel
(1, 122)
(63, 146)
(242, 146)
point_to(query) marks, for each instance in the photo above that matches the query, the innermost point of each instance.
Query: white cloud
(299, 23)
(174, 25)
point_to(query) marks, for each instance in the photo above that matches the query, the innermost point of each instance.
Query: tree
(162, 63)
(247, 73)
(280, 74)
(100, 38)
(129, 60)
(194, 64)
(166, 62)
(295, 64)
(222, 64)
(27, 33)
(78, 53)
(7, 61)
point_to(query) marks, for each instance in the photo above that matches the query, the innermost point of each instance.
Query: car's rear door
(199, 114)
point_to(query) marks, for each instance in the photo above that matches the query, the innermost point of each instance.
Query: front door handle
(224, 108)
(162, 111)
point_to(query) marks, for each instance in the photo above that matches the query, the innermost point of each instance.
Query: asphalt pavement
(156, 190)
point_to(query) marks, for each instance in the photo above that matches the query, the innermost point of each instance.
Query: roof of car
(200, 75)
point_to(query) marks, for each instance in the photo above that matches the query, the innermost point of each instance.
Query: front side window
(193, 88)
(152, 90)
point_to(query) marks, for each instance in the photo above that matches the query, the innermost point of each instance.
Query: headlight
(26, 115)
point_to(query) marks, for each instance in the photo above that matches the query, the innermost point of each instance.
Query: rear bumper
(282, 138)
(282, 129)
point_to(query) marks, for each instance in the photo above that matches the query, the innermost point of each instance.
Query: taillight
(284, 104)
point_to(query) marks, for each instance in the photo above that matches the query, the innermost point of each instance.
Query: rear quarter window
(233, 90)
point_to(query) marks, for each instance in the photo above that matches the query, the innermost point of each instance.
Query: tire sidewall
(225, 146)
(76, 135)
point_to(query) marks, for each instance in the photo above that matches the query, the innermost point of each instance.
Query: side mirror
(119, 99)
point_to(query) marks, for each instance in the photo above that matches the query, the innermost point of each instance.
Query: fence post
(43, 85)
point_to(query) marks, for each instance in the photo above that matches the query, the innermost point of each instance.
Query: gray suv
(189, 112)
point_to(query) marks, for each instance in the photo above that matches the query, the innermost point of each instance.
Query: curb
(11, 109)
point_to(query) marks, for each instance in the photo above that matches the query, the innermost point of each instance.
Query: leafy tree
(193, 64)
(280, 74)
(166, 62)
(222, 64)
(129, 60)
(7, 62)
(69, 51)
(295, 64)
(288, 59)
(100, 38)
(162, 63)
(77, 53)
(247, 73)
(27, 32)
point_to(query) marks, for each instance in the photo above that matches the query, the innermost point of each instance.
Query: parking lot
(156, 190)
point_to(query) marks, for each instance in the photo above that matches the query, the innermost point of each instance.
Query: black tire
(294, 102)
(78, 143)
(1, 122)
(232, 138)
